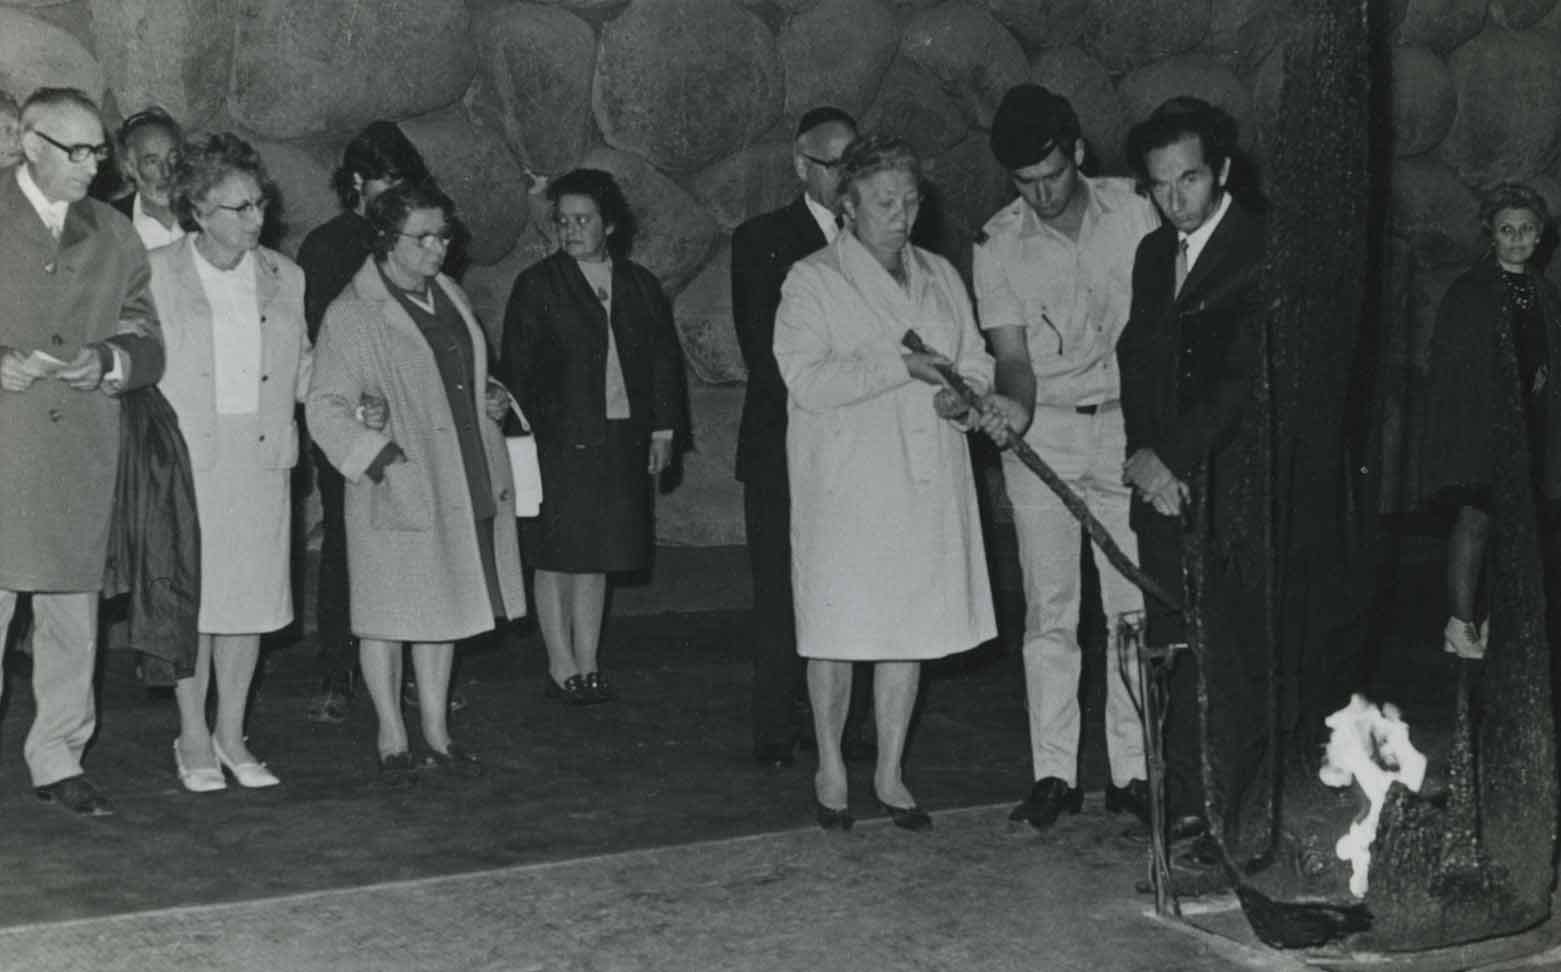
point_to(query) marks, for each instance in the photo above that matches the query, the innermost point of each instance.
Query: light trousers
(65, 630)
(1087, 452)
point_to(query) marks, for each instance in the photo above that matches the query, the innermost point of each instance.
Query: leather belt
(1092, 409)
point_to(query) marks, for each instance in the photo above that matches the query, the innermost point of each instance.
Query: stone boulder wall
(1243, 32)
(489, 285)
(1508, 123)
(835, 53)
(683, 82)
(473, 165)
(706, 510)
(676, 234)
(1424, 100)
(911, 104)
(1040, 24)
(973, 56)
(36, 54)
(1124, 36)
(755, 180)
(304, 67)
(1075, 75)
(535, 66)
(1435, 212)
(1520, 14)
(1440, 25)
(968, 186)
(175, 53)
(703, 312)
(1188, 74)
(302, 173)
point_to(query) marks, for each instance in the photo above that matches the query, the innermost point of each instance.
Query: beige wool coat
(887, 557)
(59, 448)
(412, 553)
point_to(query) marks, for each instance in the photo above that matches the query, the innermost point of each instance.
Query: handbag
(523, 465)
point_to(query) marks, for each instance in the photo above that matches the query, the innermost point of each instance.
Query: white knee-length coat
(887, 557)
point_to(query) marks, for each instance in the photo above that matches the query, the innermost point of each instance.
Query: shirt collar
(825, 218)
(1031, 224)
(152, 232)
(52, 213)
(1199, 238)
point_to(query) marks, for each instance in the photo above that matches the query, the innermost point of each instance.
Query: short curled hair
(388, 212)
(1513, 195)
(601, 188)
(206, 160)
(872, 154)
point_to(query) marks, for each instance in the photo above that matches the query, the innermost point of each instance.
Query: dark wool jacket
(555, 351)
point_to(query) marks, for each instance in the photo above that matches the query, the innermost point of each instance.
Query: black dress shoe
(1048, 798)
(907, 818)
(78, 795)
(455, 761)
(1133, 798)
(774, 755)
(572, 692)
(396, 771)
(597, 688)
(831, 819)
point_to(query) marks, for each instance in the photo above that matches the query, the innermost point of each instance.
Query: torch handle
(1097, 531)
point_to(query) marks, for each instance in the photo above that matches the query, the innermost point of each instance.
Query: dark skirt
(596, 506)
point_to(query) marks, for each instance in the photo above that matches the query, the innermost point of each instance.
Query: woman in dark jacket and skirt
(1494, 362)
(591, 355)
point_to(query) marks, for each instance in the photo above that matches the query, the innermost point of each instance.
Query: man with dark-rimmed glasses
(79, 328)
(763, 250)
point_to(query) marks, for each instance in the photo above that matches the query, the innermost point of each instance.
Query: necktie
(1181, 266)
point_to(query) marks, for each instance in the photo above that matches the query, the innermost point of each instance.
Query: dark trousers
(1160, 555)
(777, 669)
(338, 651)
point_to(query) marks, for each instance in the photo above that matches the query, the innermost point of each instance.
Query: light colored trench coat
(887, 557)
(412, 555)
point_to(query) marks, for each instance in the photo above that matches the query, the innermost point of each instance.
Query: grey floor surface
(975, 894)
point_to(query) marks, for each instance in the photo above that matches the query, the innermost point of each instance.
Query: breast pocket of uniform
(401, 501)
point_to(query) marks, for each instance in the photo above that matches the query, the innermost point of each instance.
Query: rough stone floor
(635, 836)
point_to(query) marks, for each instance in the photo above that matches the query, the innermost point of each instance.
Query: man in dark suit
(79, 328)
(763, 250)
(1188, 357)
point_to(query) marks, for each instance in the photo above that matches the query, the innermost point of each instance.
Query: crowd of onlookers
(1114, 330)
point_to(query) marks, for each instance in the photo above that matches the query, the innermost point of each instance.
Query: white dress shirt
(1199, 238)
(827, 222)
(153, 234)
(51, 212)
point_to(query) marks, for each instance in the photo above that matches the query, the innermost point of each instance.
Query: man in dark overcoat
(1188, 357)
(763, 250)
(79, 328)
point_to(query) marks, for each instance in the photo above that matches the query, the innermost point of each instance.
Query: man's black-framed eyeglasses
(430, 240)
(823, 163)
(80, 152)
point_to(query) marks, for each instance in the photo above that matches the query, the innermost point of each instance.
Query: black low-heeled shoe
(572, 692)
(397, 771)
(831, 819)
(907, 818)
(597, 689)
(456, 761)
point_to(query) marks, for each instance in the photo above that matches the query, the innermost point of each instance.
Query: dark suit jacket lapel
(1227, 242)
(804, 228)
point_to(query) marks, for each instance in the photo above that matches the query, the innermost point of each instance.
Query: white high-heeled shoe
(251, 775)
(201, 779)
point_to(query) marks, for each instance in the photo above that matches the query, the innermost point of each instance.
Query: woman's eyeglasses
(429, 241)
(79, 152)
(256, 207)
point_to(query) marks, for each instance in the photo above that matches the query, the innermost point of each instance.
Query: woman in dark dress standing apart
(1499, 325)
(591, 355)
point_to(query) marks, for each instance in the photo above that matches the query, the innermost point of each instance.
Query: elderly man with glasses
(79, 328)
